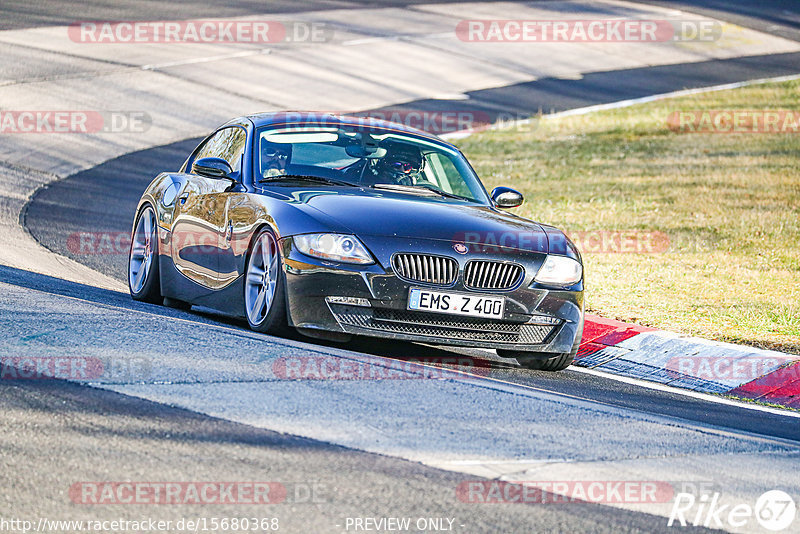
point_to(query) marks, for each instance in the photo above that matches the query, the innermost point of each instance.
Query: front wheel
(264, 286)
(143, 281)
(540, 361)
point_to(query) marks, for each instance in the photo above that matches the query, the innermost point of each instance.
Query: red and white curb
(690, 362)
(672, 359)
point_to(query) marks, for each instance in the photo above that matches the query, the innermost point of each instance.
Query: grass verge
(726, 207)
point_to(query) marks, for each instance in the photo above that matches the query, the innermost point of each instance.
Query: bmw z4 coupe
(339, 226)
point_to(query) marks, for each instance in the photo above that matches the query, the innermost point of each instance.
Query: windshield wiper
(443, 193)
(419, 188)
(305, 178)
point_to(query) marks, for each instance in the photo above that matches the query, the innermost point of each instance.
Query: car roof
(315, 118)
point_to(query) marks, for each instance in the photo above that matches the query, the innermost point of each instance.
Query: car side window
(227, 144)
(439, 165)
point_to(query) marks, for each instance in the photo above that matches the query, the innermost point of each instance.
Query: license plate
(456, 303)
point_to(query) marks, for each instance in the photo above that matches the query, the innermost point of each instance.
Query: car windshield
(385, 161)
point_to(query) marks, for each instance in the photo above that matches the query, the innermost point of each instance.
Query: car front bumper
(372, 301)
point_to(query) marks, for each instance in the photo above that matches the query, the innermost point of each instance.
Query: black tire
(275, 322)
(151, 289)
(540, 361)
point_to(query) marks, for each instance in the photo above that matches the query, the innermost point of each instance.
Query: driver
(402, 165)
(274, 158)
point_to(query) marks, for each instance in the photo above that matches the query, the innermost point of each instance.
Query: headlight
(559, 270)
(334, 247)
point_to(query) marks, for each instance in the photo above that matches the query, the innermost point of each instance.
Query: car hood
(386, 214)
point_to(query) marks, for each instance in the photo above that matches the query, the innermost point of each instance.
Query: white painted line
(397, 37)
(509, 461)
(193, 61)
(686, 392)
(463, 376)
(672, 94)
(505, 386)
(677, 391)
(369, 40)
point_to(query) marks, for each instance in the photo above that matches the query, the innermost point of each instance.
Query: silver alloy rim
(262, 278)
(142, 250)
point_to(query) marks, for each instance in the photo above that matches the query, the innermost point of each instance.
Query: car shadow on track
(481, 364)
(463, 359)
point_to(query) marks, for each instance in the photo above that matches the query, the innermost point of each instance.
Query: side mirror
(213, 168)
(505, 197)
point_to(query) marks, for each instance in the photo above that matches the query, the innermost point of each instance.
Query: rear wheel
(540, 361)
(143, 276)
(264, 286)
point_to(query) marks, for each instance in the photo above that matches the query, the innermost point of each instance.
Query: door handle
(229, 231)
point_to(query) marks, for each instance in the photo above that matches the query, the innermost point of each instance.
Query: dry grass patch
(728, 203)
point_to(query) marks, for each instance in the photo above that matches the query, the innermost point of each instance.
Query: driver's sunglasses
(276, 155)
(402, 166)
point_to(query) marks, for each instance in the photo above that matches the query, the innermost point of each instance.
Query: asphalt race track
(778, 17)
(207, 405)
(60, 210)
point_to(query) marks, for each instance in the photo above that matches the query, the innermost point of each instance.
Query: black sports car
(342, 225)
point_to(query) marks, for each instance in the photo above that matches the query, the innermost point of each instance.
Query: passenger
(274, 158)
